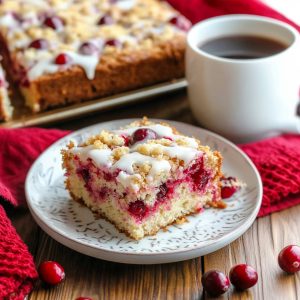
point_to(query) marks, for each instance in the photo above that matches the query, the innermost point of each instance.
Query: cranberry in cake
(67, 51)
(143, 177)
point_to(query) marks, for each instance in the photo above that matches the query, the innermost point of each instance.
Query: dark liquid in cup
(243, 47)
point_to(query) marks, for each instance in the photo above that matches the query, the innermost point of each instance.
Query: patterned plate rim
(230, 236)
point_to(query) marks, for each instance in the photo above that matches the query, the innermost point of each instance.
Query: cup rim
(244, 17)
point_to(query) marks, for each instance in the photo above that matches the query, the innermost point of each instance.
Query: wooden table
(86, 276)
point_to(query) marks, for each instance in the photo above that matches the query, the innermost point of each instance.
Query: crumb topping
(161, 150)
(38, 31)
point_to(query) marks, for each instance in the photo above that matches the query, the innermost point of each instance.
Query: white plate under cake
(77, 227)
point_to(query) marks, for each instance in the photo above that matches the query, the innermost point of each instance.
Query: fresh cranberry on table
(106, 20)
(39, 44)
(113, 43)
(137, 208)
(289, 259)
(51, 272)
(243, 276)
(54, 22)
(62, 59)
(142, 134)
(88, 48)
(215, 283)
(180, 22)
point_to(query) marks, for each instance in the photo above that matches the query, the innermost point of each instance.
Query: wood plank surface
(86, 276)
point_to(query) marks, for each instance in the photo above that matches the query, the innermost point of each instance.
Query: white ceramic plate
(76, 227)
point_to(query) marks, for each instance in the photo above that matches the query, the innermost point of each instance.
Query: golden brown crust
(113, 75)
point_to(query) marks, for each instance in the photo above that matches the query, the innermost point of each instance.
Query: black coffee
(243, 47)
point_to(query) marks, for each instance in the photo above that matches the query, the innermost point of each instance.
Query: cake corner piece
(143, 177)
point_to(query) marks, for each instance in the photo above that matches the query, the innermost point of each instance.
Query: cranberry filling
(106, 20)
(143, 134)
(113, 43)
(63, 59)
(127, 139)
(229, 187)
(85, 174)
(54, 22)
(137, 209)
(180, 23)
(163, 190)
(199, 175)
(88, 48)
(39, 44)
(103, 192)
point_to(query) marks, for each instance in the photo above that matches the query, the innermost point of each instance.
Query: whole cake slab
(143, 177)
(67, 51)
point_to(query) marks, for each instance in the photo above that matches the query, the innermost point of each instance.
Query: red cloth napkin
(197, 10)
(20, 147)
(278, 162)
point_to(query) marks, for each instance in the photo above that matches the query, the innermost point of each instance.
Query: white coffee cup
(244, 99)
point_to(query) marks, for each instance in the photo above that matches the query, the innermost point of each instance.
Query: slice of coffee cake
(143, 177)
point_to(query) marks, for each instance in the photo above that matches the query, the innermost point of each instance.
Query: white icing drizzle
(161, 131)
(158, 128)
(8, 21)
(129, 181)
(41, 67)
(185, 154)
(102, 157)
(127, 161)
(87, 62)
(127, 176)
(125, 4)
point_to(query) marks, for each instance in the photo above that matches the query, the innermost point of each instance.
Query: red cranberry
(142, 134)
(181, 23)
(51, 272)
(163, 190)
(243, 277)
(215, 282)
(137, 208)
(83, 298)
(103, 192)
(88, 48)
(113, 43)
(54, 22)
(39, 44)
(16, 16)
(289, 259)
(85, 173)
(127, 139)
(106, 20)
(229, 187)
(62, 59)
(227, 191)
